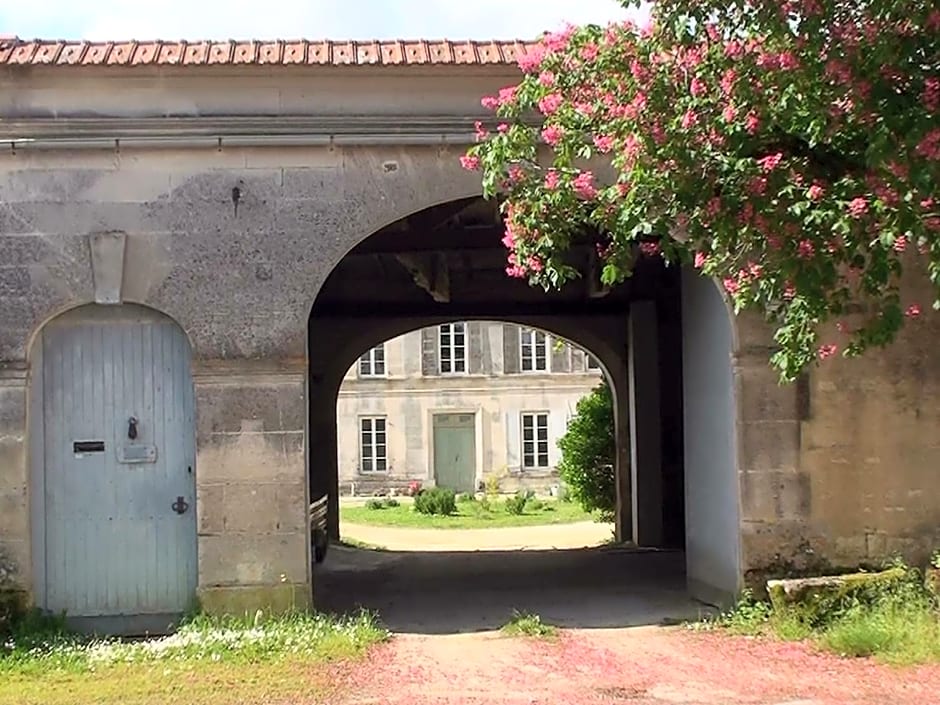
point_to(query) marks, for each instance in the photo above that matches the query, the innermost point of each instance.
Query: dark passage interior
(447, 264)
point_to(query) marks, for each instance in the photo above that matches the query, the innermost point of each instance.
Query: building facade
(455, 404)
(240, 221)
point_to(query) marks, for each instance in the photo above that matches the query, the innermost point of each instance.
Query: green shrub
(392, 502)
(436, 500)
(588, 451)
(465, 497)
(375, 504)
(535, 505)
(516, 504)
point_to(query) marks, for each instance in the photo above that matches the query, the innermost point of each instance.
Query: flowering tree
(788, 148)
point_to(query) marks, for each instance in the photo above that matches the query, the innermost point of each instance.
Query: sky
(290, 19)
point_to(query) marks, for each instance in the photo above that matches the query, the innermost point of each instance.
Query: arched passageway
(113, 469)
(446, 264)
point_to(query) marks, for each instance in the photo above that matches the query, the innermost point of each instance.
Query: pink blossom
(929, 146)
(700, 259)
(470, 162)
(532, 59)
(858, 207)
(550, 103)
(584, 185)
(900, 243)
(516, 173)
(827, 351)
(689, 119)
(931, 94)
(805, 249)
(729, 113)
(731, 285)
(771, 161)
(515, 271)
(490, 102)
(481, 131)
(638, 71)
(757, 186)
(734, 49)
(509, 238)
(586, 109)
(912, 311)
(815, 192)
(787, 61)
(535, 264)
(789, 291)
(553, 134)
(589, 51)
(604, 143)
(728, 80)
(547, 79)
(558, 41)
(752, 123)
(552, 180)
(697, 87)
(631, 147)
(649, 248)
(506, 95)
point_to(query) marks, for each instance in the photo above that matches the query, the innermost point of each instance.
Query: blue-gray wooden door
(120, 512)
(455, 452)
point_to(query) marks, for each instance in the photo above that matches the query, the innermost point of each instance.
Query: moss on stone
(817, 598)
(270, 599)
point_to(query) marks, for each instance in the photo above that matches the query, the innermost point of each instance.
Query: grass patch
(43, 662)
(469, 514)
(527, 624)
(897, 623)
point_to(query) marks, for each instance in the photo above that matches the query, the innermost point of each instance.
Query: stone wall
(241, 284)
(835, 470)
(840, 468)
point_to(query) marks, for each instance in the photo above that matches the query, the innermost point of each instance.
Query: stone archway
(445, 263)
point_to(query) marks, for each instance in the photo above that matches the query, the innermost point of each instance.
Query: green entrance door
(454, 452)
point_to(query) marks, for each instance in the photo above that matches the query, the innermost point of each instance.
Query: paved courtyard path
(638, 666)
(574, 535)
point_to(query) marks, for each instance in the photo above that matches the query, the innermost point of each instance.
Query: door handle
(180, 505)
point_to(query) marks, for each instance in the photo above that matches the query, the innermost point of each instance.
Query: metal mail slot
(80, 447)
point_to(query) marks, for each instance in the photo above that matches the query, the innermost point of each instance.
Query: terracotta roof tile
(15, 52)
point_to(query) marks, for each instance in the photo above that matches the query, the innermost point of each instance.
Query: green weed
(527, 624)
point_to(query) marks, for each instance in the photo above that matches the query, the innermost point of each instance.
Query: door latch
(180, 505)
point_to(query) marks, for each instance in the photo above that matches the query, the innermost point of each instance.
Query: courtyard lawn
(473, 514)
(210, 662)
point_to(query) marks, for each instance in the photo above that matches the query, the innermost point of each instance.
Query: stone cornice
(110, 132)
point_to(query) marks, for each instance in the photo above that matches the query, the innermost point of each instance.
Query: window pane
(380, 465)
(366, 464)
